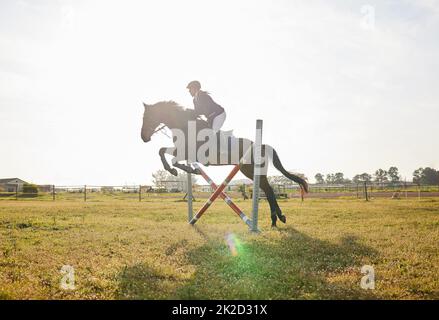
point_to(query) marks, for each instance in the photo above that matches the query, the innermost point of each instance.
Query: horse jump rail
(224, 196)
(218, 190)
(215, 195)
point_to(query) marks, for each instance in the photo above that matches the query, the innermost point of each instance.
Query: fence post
(85, 193)
(419, 192)
(365, 191)
(53, 192)
(257, 149)
(405, 188)
(16, 191)
(140, 193)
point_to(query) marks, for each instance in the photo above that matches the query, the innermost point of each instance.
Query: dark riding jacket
(204, 105)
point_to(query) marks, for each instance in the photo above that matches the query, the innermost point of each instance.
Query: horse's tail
(278, 165)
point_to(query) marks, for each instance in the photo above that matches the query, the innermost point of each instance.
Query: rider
(204, 105)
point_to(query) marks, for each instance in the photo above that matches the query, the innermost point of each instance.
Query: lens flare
(232, 243)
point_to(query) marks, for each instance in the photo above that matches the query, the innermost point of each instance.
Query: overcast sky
(348, 86)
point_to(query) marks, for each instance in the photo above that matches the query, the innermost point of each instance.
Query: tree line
(421, 176)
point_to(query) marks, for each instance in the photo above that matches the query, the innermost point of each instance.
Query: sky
(342, 86)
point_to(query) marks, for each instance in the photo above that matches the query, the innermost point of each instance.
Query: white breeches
(218, 122)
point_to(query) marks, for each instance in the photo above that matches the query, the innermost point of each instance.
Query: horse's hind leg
(247, 170)
(271, 197)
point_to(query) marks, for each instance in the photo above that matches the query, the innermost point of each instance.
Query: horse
(171, 115)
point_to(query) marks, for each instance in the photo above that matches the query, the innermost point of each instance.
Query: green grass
(131, 250)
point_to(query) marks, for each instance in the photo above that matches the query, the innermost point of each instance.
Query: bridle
(160, 128)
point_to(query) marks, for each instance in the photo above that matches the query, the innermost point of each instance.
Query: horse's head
(150, 123)
(168, 113)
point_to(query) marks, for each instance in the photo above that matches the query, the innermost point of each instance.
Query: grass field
(132, 250)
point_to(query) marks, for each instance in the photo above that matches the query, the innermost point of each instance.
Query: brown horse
(181, 121)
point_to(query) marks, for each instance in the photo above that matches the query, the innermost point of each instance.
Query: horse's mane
(169, 104)
(173, 109)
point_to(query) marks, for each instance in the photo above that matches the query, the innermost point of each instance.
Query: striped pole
(215, 194)
(225, 197)
(220, 189)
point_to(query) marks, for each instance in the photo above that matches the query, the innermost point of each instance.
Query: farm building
(11, 184)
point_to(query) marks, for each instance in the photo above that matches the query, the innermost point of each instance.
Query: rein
(161, 130)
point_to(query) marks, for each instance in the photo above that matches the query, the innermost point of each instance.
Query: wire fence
(90, 193)
(367, 190)
(363, 190)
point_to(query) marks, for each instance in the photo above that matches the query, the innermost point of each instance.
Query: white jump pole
(257, 148)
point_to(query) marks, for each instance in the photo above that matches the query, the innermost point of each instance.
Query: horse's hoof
(283, 219)
(174, 172)
(273, 227)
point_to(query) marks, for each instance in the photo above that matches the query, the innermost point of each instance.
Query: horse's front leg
(165, 163)
(185, 168)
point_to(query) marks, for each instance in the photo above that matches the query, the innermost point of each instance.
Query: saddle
(225, 138)
(226, 133)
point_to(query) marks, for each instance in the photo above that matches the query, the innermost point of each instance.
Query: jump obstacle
(219, 190)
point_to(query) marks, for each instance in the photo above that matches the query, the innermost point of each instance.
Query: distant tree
(340, 179)
(182, 178)
(330, 178)
(417, 175)
(393, 174)
(426, 176)
(431, 176)
(336, 178)
(381, 176)
(159, 177)
(163, 179)
(364, 177)
(319, 178)
(29, 188)
(356, 179)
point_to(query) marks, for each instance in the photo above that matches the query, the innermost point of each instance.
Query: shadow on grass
(143, 282)
(293, 266)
